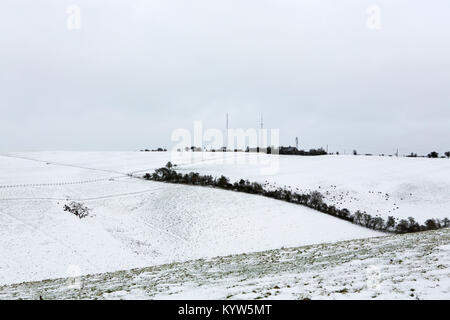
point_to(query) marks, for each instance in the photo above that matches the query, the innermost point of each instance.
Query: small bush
(433, 154)
(315, 199)
(78, 209)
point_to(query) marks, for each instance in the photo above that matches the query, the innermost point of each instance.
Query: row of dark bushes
(432, 154)
(312, 200)
(154, 150)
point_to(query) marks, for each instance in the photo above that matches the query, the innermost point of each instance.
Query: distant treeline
(295, 151)
(292, 151)
(268, 150)
(313, 200)
(289, 151)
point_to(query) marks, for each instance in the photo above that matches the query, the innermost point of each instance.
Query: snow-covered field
(401, 187)
(136, 223)
(413, 266)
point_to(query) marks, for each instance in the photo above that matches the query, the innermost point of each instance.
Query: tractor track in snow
(63, 183)
(60, 164)
(109, 196)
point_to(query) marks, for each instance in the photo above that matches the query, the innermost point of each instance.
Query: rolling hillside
(413, 266)
(135, 223)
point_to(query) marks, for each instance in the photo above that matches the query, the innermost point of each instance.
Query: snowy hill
(137, 223)
(400, 187)
(413, 266)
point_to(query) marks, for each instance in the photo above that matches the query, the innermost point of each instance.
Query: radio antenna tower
(226, 133)
(260, 133)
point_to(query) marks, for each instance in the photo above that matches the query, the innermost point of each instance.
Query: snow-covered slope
(134, 223)
(401, 187)
(413, 266)
(140, 223)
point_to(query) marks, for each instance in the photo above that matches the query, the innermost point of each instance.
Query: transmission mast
(226, 134)
(261, 124)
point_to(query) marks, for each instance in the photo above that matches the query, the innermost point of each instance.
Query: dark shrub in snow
(78, 209)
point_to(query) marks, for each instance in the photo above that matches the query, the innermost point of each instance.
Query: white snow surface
(136, 223)
(382, 186)
(409, 266)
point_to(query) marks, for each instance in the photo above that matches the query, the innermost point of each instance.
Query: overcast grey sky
(137, 70)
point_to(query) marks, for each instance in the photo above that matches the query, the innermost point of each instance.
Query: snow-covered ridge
(401, 187)
(412, 266)
(135, 223)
